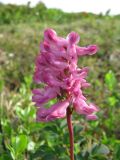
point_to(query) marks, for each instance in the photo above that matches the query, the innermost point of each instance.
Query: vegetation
(21, 138)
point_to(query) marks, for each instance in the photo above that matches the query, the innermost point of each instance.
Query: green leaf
(117, 151)
(5, 157)
(1, 85)
(112, 100)
(20, 112)
(103, 149)
(25, 114)
(19, 144)
(6, 126)
(28, 80)
(110, 80)
(12, 151)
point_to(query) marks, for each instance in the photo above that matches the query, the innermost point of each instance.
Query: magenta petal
(50, 35)
(37, 91)
(42, 114)
(90, 50)
(85, 85)
(94, 107)
(43, 96)
(56, 111)
(91, 117)
(81, 107)
(73, 38)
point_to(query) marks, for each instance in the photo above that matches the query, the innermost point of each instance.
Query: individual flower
(56, 68)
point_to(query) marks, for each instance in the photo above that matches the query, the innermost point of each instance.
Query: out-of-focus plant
(111, 83)
(113, 99)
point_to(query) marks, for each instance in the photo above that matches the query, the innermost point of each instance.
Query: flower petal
(73, 38)
(56, 111)
(90, 50)
(42, 96)
(91, 117)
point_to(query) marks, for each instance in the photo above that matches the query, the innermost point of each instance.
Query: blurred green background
(21, 138)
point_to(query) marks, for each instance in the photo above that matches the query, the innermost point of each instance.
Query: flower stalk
(56, 67)
(71, 133)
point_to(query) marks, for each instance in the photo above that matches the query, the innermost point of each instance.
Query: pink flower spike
(56, 67)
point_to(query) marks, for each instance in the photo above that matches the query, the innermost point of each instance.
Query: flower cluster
(56, 68)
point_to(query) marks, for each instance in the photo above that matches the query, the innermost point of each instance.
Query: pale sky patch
(95, 6)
